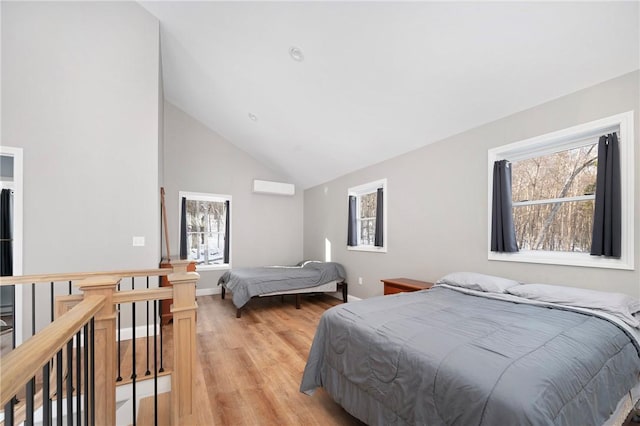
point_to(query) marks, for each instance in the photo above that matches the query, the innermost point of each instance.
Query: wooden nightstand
(403, 285)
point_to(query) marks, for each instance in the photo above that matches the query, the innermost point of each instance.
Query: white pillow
(306, 262)
(480, 282)
(617, 304)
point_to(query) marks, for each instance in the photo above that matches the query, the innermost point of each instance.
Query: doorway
(11, 235)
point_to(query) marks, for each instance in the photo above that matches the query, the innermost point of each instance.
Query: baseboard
(338, 295)
(208, 291)
(141, 331)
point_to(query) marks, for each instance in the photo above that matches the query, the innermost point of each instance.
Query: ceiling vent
(277, 188)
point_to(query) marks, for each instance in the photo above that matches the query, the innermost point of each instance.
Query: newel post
(184, 344)
(179, 265)
(105, 347)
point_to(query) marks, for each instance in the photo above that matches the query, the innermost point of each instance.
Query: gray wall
(80, 96)
(265, 229)
(437, 202)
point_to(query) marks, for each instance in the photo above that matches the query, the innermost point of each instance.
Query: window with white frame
(553, 191)
(367, 217)
(553, 197)
(205, 229)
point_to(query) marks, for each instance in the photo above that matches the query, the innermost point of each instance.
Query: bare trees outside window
(367, 219)
(553, 200)
(553, 185)
(206, 231)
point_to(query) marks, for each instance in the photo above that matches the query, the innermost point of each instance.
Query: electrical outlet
(360, 280)
(138, 241)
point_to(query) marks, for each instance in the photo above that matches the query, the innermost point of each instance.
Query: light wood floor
(249, 369)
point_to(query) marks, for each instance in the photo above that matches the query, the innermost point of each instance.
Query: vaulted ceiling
(378, 79)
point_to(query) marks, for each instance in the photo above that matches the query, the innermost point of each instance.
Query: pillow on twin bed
(480, 282)
(305, 262)
(617, 304)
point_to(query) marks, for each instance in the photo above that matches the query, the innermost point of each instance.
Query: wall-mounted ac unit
(277, 188)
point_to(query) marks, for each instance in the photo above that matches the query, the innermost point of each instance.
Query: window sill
(372, 249)
(568, 259)
(222, 267)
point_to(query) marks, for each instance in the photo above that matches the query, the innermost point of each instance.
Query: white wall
(437, 202)
(80, 95)
(265, 229)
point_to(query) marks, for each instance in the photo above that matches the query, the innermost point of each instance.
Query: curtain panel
(607, 216)
(352, 225)
(6, 242)
(503, 233)
(183, 229)
(227, 231)
(379, 238)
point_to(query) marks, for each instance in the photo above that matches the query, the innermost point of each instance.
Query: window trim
(366, 189)
(201, 196)
(559, 141)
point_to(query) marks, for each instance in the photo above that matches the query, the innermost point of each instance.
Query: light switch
(138, 241)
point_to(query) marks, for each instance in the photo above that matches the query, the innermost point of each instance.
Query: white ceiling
(379, 78)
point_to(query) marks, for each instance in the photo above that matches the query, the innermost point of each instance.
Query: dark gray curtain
(227, 232)
(607, 215)
(352, 225)
(503, 233)
(6, 242)
(379, 239)
(183, 229)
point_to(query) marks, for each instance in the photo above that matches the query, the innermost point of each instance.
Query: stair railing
(20, 367)
(107, 356)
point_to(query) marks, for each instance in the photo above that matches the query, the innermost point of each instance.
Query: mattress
(326, 287)
(441, 357)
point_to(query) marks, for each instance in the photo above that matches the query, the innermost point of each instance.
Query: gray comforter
(246, 283)
(441, 357)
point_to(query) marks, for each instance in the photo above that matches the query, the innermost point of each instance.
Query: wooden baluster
(104, 346)
(184, 344)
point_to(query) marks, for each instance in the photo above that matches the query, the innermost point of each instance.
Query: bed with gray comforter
(442, 357)
(246, 283)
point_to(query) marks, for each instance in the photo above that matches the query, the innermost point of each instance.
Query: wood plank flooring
(251, 367)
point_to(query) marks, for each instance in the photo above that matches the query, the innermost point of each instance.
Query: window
(205, 229)
(553, 193)
(553, 199)
(367, 217)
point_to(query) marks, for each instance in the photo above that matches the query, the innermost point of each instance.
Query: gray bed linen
(441, 357)
(246, 283)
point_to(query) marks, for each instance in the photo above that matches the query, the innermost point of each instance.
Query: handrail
(24, 362)
(47, 278)
(127, 296)
(132, 296)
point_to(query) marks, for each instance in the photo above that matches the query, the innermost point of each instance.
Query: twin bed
(306, 277)
(477, 350)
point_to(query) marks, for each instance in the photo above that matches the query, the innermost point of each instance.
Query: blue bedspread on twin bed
(441, 357)
(246, 283)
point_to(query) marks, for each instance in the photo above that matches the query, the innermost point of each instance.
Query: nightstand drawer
(404, 285)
